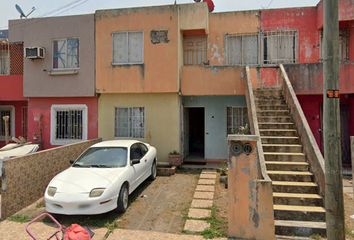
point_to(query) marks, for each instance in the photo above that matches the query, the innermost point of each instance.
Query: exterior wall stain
(157, 37)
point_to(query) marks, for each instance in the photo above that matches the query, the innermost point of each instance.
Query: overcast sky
(48, 8)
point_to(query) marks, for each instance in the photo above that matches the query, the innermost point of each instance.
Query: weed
(210, 233)
(315, 236)
(349, 232)
(20, 218)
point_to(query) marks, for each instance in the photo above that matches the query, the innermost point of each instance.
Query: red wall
(346, 12)
(42, 106)
(11, 88)
(302, 19)
(18, 116)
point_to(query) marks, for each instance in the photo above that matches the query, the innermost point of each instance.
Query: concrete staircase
(298, 208)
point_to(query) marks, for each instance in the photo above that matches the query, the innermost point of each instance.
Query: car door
(147, 161)
(137, 170)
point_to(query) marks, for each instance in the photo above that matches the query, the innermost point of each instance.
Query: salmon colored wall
(37, 106)
(228, 23)
(18, 116)
(194, 16)
(213, 80)
(346, 12)
(159, 73)
(11, 88)
(301, 19)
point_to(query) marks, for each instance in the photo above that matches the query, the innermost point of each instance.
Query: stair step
(271, 107)
(278, 119)
(290, 176)
(287, 166)
(299, 228)
(278, 132)
(280, 140)
(285, 157)
(268, 92)
(270, 101)
(297, 199)
(284, 148)
(274, 113)
(302, 213)
(275, 125)
(295, 187)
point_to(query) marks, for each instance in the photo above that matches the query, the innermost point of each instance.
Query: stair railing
(310, 147)
(252, 116)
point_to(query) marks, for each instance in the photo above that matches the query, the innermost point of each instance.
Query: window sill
(62, 72)
(64, 142)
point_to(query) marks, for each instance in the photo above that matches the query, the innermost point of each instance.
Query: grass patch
(349, 232)
(20, 218)
(316, 236)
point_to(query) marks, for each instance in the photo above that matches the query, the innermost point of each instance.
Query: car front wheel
(153, 171)
(123, 199)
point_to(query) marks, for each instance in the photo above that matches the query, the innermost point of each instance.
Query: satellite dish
(22, 14)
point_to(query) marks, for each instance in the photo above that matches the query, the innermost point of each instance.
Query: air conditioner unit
(34, 52)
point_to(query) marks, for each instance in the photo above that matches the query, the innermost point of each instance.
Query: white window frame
(130, 132)
(4, 57)
(279, 34)
(67, 107)
(243, 60)
(232, 120)
(127, 47)
(12, 119)
(66, 39)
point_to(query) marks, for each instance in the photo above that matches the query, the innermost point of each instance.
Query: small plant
(242, 130)
(315, 236)
(20, 218)
(174, 152)
(224, 169)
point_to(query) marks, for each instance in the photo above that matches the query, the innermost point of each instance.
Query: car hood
(83, 180)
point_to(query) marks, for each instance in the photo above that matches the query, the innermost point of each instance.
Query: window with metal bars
(7, 111)
(68, 124)
(280, 47)
(128, 47)
(343, 45)
(129, 122)
(242, 49)
(236, 117)
(4, 57)
(195, 51)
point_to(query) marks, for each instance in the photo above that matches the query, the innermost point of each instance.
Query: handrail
(308, 141)
(252, 116)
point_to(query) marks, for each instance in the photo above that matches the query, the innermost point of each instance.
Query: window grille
(236, 117)
(195, 51)
(24, 125)
(242, 49)
(280, 47)
(129, 122)
(69, 124)
(4, 57)
(66, 53)
(343, 45)
(127, 47)
(6, 111)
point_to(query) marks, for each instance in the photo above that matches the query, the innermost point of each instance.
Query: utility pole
(332, 137)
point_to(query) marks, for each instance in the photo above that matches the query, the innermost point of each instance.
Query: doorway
(194, 134)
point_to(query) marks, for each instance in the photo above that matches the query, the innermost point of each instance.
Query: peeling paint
(157, 37)
(216, 54)
(246, 170)
(214, 70)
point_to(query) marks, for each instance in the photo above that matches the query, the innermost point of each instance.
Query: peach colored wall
(159, 72)
(250, 200)
(213, 80)
(194, 16)
(228, 23)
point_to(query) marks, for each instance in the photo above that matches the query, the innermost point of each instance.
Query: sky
(51, 8)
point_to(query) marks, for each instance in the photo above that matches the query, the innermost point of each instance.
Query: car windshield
(103, 157)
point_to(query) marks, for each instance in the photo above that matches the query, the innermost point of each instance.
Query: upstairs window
(66, 53)
(280, 47)
(7, 111)
(236, 117)
(4, 57)
(343, 45)
(129, 122)
(242, 49)
(127, 48)
(68, 124)
(195, 51)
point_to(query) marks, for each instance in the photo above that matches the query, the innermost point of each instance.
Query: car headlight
(96, 192)
(51, 191)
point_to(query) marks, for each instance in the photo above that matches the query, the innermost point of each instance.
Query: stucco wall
(159, 72)
(25, 178)
(34, 32)
(215, 121)
(161, 118)
(346, 11)
(194, 16)
(221, 24)
(37, 106)
(11, 88)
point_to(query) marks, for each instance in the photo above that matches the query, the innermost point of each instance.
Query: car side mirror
(135, 161)
(72, 161)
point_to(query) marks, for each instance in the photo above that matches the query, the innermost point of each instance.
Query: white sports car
(102, 178)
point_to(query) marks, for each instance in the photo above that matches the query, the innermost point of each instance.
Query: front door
(196, 133)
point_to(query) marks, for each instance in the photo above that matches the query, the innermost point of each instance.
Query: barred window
(4, 57)
(195, 51)
(68, 124)
(7, 111)
(129, 122)
(242, 49)
(280, 47)
(236, 117)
